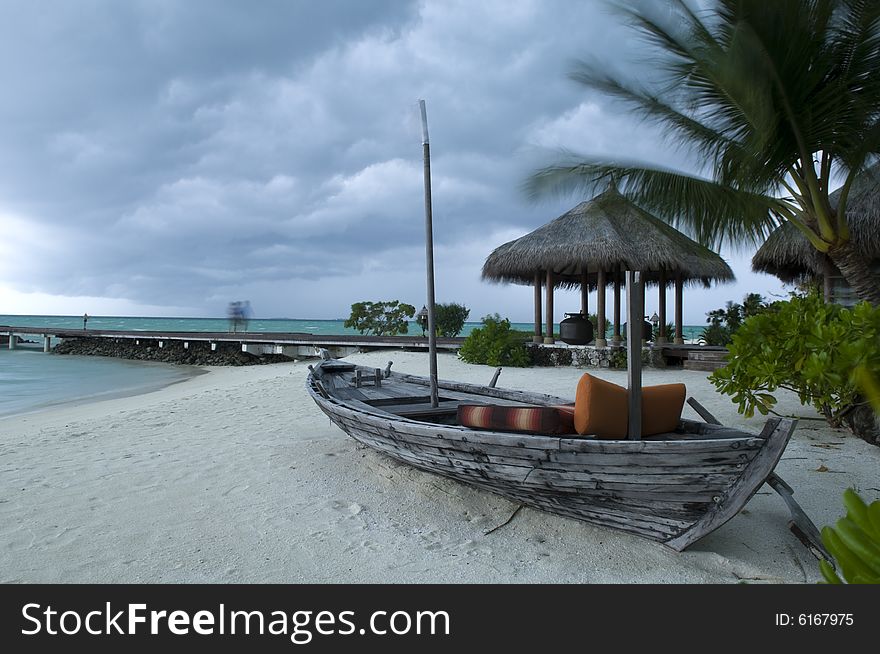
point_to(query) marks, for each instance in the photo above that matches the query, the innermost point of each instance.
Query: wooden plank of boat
(563, 455)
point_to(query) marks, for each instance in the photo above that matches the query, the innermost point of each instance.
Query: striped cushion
(529, 419)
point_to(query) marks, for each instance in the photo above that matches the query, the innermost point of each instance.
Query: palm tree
(779, 98)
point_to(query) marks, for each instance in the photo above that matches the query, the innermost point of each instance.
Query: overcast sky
(165, 157)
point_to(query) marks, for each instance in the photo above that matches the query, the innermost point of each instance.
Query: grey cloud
(182, 154)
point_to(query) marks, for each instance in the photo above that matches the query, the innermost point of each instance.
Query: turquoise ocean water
(31, 379)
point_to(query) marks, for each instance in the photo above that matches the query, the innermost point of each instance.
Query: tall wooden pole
(679, 323)
(539, 335)
(585, 293)
(635, 326)
(549, 337)
(661, 338)
(615, 338)
(600, 310)
(429, 258)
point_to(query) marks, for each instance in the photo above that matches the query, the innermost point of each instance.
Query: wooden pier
(289, 344)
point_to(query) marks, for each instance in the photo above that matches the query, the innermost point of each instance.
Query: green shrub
(854, 543)
(449, 319)
(495, 344)
(715, 334)
(815, 349)
(670, 331)
(381, 318)
(618, 358)
(870, 385)
(724, 323)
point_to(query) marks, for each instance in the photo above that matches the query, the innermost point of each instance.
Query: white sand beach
(236, 476)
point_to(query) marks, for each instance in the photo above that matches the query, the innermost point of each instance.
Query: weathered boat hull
(673, 490)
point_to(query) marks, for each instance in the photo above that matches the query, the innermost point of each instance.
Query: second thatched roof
(598, 235)
(788, 254)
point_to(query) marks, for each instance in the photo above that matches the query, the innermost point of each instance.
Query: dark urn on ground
(576, 329)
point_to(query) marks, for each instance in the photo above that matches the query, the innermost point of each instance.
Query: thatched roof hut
(788, 254)
(602, 234)
(590, 245)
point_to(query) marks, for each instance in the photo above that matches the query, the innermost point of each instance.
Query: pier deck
(255, 339)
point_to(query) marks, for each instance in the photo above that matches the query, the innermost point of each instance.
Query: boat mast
(635, 329)
(429, 257)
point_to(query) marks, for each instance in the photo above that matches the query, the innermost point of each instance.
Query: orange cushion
(529, 419)
(600, 408)
(661, 408)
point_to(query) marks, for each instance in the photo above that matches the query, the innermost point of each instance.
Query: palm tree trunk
(855, 269)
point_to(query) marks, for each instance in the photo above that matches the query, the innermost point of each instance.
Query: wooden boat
(673, 488)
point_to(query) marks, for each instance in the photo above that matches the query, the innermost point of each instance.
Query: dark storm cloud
(181, 154)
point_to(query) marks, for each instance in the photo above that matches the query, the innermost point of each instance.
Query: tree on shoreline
(380, 318)
(779, 99)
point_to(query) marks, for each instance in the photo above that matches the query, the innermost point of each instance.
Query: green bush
(715, 334)
(854, 543)
(724, 323)
(495, 344)
(815, 349)
(670, 331)
(449, 319)
(381, 318)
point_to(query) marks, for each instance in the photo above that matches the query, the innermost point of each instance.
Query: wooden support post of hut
(661, 337)
(679, 323)
(539, 334)
(585, 293)
(600, 309)
(616, 337)
(548, 339)
(13, 340)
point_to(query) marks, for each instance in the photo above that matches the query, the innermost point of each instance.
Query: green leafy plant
(449, 318)
(870, 385)
(381, 318)
(854, 543)
(811, 348)
(670, 331)
(495, 344)
(723, 323)
(618, 358)
(716, 334)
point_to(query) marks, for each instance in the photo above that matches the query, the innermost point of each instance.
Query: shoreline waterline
(32, 381)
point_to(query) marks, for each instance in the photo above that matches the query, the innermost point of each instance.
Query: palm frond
(714, 214)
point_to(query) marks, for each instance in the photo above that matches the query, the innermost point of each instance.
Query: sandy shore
(235, 476)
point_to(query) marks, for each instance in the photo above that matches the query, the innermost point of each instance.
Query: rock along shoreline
(196, 354)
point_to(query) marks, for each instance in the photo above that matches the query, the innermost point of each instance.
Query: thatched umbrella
(606, 234)
(788, 254)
